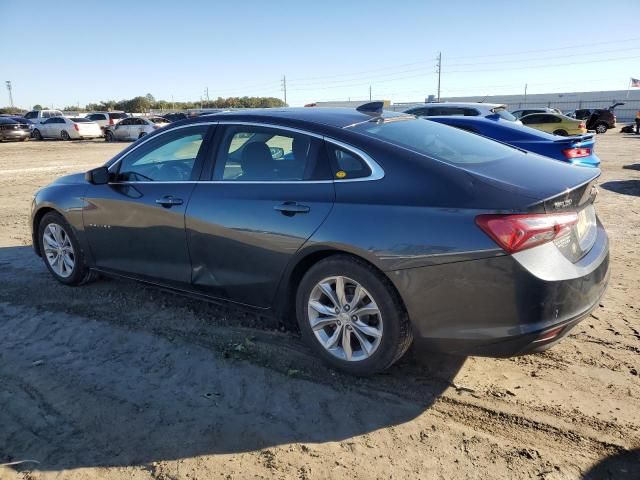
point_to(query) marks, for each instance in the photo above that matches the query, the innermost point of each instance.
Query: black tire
(397, 334)
(601, 128)
(141, 135)
(562, 133)
(64, 135)
(37, 135)
(108, 136)
(80, 273)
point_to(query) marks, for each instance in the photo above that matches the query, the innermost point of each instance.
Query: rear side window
(345, 164)
(80, 120)
(264, 154)
(434, 140)
(117, 115)
(532, 119)
(504, 114)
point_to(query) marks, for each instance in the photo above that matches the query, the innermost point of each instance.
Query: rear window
(5, 120)
(117, 115)
(79, 120)
(434, 140)
(504, 114)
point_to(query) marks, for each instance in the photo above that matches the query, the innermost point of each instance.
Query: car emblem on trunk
(563, 203)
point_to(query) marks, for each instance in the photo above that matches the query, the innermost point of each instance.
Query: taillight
(577, 152)
(110, 121)
(75, 125)
(515, 233)
(582, 125)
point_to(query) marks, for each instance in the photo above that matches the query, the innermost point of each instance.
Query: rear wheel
(37, 135)
(64, 135)
(61, 251)
(562, 133)
(351, 316)
(601, 128)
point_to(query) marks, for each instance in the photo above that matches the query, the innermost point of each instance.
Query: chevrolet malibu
(370, 228)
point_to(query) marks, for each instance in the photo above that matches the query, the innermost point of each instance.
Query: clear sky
(63, 52)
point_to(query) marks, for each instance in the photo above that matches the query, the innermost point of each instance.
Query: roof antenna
(371, 108)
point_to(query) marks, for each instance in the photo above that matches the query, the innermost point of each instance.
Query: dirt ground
(115, 380)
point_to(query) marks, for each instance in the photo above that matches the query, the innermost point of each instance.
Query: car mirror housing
(97, 176)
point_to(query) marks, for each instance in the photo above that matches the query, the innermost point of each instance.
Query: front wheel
(61, 251)
(108, 137)
(37, 135)
(141, 135)
(601, 128)
(351, 316)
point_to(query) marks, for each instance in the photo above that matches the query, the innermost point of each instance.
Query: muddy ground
(115, 380)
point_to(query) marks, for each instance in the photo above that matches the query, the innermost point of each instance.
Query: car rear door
(135, 223)
(271, 188)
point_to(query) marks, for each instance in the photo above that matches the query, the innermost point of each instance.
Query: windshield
(80, 119)
(441, 142)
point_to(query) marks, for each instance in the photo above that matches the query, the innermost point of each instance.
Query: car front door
(121, 130)
(271, 190)
(135, 223)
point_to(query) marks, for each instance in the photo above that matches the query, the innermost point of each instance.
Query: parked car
(40, 116)
(133, 128)
(577, 150)
(555, 123)
(67, 128)
(528, 111)
(466, 109)
(13, 129)
(368, 227)
(174, 117)
(598, 119)
(105, 119)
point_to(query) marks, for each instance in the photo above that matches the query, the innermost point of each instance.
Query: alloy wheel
(58, 250)
(345, 318)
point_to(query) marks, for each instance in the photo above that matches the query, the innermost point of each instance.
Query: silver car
(133, 128)
(469, 109)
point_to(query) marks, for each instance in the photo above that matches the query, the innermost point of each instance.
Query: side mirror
(97, 176)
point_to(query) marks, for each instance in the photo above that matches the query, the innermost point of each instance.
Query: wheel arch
(37, 218)
(285, 304)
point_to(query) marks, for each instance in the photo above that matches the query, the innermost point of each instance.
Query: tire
(562, 133)
(141, 135)
(601, 128)
(108, 136)
(37, 135)
(22, 139)
(64, 135)
(390, 326)
(79, 273)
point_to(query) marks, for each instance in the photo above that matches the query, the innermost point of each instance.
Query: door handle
(291, 208)
(168, 201)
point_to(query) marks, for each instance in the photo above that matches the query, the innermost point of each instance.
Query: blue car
(577, 150)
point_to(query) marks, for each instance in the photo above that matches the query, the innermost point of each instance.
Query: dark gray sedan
(12, 128)
(370, 228)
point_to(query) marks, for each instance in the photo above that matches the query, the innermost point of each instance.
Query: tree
(150, 98)
(11, 110)
(37, 106)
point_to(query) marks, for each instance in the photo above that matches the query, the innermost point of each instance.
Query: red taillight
(518, 232)
(577, 152)
(582, 125)
(75, 125)
(110, 121)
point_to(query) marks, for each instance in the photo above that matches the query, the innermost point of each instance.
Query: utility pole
(284, 87)
(369, 92)
(525, 93)
(8, 82)
(206, 93)
(439, 71)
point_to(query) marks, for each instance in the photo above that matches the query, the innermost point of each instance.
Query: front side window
(167, 158)
(268, 154)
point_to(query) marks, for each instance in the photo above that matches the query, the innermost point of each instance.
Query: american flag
(635, 82)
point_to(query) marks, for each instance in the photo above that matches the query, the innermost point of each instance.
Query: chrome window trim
(377, 172)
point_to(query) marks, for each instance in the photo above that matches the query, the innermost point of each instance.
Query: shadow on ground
(624, 187)
(632, 166)
(114, 374)
(623, 466)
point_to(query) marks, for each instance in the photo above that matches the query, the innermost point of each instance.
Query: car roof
(334, 117)
(487, 106)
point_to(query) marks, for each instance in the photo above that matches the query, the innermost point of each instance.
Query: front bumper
(501, 306)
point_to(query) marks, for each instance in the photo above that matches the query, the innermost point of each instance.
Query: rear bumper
(502, 306)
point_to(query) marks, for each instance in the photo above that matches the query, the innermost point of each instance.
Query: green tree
(37, 106)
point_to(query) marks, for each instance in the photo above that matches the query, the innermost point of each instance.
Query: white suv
(106, 119)
(40, 116)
